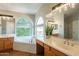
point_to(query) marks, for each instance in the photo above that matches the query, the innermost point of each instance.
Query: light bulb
(3, 17)
(60, 10)
(73, 5)
(57, 8)
(65, 8)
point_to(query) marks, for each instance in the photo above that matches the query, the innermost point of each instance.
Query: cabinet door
(39, 48)
(1, 44)
(8, 44)
(47, 51)
(56, 52)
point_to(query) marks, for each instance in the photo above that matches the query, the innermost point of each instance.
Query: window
(24, 29)
(40, 28)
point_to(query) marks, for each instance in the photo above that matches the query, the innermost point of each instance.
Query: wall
(17, 45)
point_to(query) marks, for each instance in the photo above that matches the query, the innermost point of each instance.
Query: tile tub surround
(58, 44)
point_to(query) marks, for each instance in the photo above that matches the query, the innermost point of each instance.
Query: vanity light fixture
(60, 7)
(63, 6)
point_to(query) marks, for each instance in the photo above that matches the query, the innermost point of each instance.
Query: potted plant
(49, 30)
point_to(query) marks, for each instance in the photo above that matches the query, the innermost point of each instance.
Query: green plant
(49, 30)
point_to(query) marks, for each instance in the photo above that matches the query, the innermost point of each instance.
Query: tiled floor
(15, 53)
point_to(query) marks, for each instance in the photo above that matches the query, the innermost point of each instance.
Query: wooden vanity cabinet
(1, 44)
(39, 48)
(46, 50)
(40, 43)
(6, 43)
(49, 51)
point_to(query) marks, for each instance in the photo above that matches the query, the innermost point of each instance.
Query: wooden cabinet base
(6, 43)
(49, 51)
(39, 48)
(44, 49)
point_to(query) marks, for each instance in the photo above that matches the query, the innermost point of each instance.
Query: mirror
(71, 23)
(66, 21)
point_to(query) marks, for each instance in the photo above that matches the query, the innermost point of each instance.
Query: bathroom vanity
(6, 43)
(46, 50)
(55, 47)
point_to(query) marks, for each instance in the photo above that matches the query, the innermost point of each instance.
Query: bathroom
(52, 26)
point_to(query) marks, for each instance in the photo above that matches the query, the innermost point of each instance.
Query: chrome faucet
(68, 42)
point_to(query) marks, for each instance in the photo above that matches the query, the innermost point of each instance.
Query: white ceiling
(29, 8)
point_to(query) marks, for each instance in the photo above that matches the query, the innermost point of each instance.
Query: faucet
(68, 42)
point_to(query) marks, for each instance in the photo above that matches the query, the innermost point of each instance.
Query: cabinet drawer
(40, 43)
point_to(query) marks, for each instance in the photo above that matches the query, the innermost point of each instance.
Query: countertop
(58, 44)
(6, 35)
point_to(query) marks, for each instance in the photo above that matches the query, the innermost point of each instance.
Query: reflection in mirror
(71, 20)
(40, 28)
(66, 18)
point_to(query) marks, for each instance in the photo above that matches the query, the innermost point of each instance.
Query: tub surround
(58, 44)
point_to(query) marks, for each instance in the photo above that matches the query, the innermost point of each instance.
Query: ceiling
(29, 8)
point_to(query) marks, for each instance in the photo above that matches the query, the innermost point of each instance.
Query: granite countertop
(58, 44)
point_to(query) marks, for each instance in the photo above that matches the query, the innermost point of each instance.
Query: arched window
(40, 28)
(24, 29)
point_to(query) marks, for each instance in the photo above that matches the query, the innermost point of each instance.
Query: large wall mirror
(66, 16)
(7, 25)
(71, 23)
